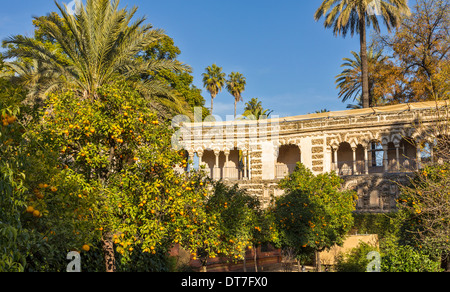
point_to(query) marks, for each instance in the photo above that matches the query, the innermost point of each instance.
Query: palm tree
(255, 111)
(213, 81)
(356, 16)
(97, 45)
(236, 85)
(349, 81)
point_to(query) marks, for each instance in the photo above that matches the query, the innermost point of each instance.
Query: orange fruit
(36, 213)
(30, 209)
(86, 247)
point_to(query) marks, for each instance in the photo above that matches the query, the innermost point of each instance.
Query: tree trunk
(204, 261)
(212, 104)
(108, 249)
(318, 264)
(255, 258)
(299, 268)
(234, 108)
(364, 63)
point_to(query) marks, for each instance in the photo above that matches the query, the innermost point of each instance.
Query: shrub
(354, 260)
(407, 259)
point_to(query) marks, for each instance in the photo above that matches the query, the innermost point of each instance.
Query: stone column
(216, 170)
(366, 159)
(191, 160)
(385, 158)
(397, 156)
(225, 172)
(200, 158)
(354, 160)
(336, 165)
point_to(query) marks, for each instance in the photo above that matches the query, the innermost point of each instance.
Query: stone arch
(288, 157)
(345, 159)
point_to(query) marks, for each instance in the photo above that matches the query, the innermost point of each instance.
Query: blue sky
(290, 61)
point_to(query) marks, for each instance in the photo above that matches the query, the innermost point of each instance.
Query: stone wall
(377, 193)
(372, 149)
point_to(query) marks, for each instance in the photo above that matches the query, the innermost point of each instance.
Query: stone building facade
(372, 149)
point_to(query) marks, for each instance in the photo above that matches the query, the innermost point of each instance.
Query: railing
(343, 168)
(283, 170)
(230, 173)
(390, 166)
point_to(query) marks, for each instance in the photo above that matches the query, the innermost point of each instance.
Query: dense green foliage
(314, 214)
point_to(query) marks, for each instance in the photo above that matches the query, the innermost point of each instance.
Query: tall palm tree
(356, 16)
(236, 85)
(95, 46)
(213, 81)
(349, 81)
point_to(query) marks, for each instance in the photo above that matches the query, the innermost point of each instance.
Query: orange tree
(314, 214)
(125, 189)
(236, 214)
(31, 182)
(424, 213)
(12, 190)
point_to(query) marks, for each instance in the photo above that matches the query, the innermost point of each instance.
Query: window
(377, 154)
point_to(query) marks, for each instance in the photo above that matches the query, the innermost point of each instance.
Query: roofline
(336, 114)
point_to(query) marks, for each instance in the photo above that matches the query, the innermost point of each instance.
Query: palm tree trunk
(212, 104)
(235, 108)
(364, 62)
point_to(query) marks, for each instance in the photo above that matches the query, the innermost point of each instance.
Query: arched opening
(408, 155)
(376, 157)
(392, 157)
(360, 162)
(208, 161)
(345, 159)
(232, 167)
(288, 156)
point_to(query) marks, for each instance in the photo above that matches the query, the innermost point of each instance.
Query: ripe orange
(36, 213)
(86, 247)
(30, 209)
